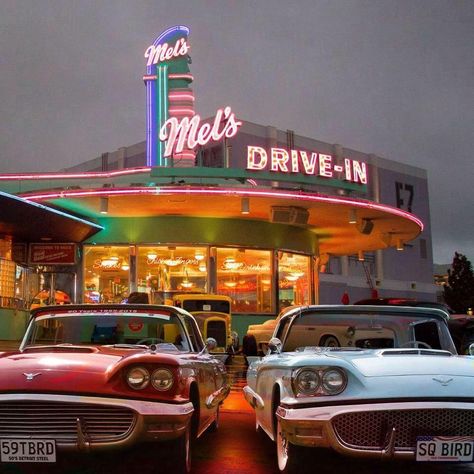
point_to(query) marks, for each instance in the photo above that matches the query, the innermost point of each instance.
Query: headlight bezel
(170, 378)
(146, 377)
(323, 388)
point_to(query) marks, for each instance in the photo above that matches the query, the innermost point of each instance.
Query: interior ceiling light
(297, 274)
(151, 255)
(110, 261)
(199, 255)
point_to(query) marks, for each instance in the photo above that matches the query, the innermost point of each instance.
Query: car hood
(81, 370)
(387, 364)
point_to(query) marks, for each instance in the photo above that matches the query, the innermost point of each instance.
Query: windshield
(217, 306)
(366, 331)
(107, 328)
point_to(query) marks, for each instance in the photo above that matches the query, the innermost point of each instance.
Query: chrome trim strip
(253, 398)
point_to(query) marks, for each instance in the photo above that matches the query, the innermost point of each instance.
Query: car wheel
(287, 459)
(329, 341)
(182, 452)
(214, 426)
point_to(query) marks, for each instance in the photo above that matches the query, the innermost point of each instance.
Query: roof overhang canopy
(377, 225)
(27, 221)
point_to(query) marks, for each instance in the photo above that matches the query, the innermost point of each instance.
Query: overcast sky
(389, 77)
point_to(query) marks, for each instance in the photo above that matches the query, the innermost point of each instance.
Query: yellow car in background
(213, 315)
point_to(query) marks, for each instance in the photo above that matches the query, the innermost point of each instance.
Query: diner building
(223, 206)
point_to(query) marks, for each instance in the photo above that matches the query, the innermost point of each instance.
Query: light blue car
(390, 385)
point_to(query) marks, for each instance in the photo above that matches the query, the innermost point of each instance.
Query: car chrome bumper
(316, 427)
(147, 421)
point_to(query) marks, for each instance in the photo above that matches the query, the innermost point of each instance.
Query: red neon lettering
(279, 160)
(309, 165)
(325, 165)
(360, 172)
(300, 161)
(188, 133)
(252, 153)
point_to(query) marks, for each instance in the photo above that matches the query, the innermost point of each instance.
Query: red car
(97, 377)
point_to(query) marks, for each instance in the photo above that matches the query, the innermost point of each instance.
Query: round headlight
(334, 381)
(162, 379)
(138, 378)
(307, 382)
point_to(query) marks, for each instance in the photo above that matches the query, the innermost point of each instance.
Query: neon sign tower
(168, 93)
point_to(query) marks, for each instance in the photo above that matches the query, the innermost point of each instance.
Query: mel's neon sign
(189, 133)
(163, 52)
(301, 161)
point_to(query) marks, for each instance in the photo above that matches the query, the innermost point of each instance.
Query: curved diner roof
(145, 192)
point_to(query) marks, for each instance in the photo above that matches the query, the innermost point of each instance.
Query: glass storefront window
(294, 282)
(246, 276)
(106, 274)
(165, 271)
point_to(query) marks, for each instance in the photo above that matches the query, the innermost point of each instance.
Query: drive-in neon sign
(190, 133)
(306, 162)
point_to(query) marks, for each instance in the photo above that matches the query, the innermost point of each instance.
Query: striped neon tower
(168, 93)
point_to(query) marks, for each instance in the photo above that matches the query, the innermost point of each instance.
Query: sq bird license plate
(445, 448)
(27, 450)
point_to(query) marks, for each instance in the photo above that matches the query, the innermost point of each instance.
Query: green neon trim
(159, 118)
(203, 173)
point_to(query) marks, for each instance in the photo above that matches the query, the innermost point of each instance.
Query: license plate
(28, 450)
(445, 448)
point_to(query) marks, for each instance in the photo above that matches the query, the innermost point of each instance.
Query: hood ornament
(31, 376)
(443, 382)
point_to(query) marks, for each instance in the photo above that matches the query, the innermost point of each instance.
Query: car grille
(59, 421)
(368, 430)
(216, 329)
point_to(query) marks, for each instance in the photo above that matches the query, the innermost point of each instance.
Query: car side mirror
(274, 346)
(211, 344)
(470, 349)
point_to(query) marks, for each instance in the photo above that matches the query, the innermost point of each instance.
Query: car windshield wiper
(129, 346)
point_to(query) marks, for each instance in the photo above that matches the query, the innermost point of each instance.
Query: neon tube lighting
(51, 210)
(169, 31)
(85, 174)
(181, 110)
(173, 96)
(188, 77)
(297, 196)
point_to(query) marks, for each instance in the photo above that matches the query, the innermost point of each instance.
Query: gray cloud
(383, 77)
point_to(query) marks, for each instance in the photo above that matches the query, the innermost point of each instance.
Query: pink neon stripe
(181, 110)
(184, 154)
(228, 192)
(180, 96)
(85, 174)
(181, 76)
